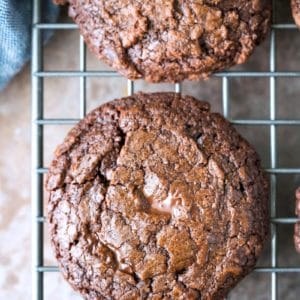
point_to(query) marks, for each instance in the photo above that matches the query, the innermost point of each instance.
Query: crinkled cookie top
(171, 40)
(155, 197)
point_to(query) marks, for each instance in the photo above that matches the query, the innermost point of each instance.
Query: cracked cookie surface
(155, 197)
(171, 40)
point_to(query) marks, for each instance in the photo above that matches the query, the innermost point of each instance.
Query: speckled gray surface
(249, 98)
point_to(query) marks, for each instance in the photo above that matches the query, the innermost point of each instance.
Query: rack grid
(38, 123)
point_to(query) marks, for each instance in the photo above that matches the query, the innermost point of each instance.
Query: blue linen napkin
(15, 34)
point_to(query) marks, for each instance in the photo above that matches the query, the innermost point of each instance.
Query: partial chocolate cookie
(297, 225)
(171, 40)
(155, 197)
(295, 4)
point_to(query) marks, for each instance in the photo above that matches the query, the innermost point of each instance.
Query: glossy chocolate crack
(155, 197)
(171, 40)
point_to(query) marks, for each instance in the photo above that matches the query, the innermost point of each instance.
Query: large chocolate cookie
(155, 197)
(171, 40)
(295, 4)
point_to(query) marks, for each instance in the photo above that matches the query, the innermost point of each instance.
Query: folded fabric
(15, 34)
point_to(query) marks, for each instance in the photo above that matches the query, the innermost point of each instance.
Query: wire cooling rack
(39, 122)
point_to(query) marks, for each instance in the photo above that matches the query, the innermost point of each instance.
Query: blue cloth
(15, 34)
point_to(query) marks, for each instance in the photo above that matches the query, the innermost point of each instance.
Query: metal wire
(273, 161)
(37, 156)
(288, 74)
(38, 123)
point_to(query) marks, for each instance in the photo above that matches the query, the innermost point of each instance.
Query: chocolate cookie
(171, 40)
(295, 4)
(155, 197)
(297, 225)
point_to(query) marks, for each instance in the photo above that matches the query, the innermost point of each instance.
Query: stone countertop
(249, 98)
